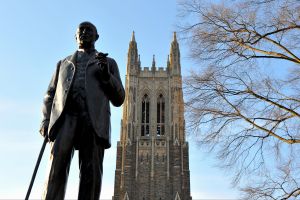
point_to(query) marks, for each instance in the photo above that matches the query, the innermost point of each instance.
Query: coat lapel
(91, 61)
(73, 58)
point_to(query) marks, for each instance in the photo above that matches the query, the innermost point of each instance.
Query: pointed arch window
(145, 116)
(160, 130)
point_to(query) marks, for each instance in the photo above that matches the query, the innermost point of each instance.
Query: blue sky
(34, 35)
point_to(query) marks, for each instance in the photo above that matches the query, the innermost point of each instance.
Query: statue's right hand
(44, 130)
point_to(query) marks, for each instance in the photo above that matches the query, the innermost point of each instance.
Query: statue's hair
(90, 24)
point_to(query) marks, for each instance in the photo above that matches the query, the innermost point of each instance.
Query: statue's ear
(97, 36)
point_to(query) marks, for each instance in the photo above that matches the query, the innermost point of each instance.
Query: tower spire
(174, 37)
(175, 68)
(132, 58)
(133, 37)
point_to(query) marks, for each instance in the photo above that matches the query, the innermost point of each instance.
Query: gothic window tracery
(160, 130)
(145, 116)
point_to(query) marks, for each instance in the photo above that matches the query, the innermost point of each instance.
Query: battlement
(157, 72)
(157, 69)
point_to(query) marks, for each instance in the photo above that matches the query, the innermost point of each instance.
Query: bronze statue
(76, 115)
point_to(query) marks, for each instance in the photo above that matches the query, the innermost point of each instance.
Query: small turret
(153, 68)
(139, 62)
(168, 63)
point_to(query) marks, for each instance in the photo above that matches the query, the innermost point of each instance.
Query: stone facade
(152, 154)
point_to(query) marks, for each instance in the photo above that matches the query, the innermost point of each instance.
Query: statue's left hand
(102, 63)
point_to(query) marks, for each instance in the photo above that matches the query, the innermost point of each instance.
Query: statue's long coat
(98, 95)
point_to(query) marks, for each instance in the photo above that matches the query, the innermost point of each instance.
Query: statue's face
(86, 35)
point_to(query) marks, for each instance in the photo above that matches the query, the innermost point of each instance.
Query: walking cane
(36, 168)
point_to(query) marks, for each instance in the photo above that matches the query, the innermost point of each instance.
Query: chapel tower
(152, 154)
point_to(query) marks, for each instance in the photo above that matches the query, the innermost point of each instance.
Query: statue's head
(86, 35)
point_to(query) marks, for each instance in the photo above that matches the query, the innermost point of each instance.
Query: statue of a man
(76, 115)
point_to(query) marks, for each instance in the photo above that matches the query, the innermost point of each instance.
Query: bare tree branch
(243, 103)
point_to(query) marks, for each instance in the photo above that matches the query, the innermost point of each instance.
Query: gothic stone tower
(152, 154)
